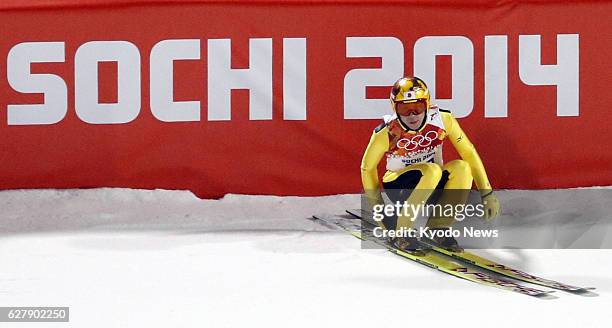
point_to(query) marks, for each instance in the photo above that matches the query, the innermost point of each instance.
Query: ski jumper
(414, 161)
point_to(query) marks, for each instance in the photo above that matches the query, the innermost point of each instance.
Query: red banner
(281, 97)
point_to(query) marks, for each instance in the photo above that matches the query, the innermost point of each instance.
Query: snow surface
(158, 258)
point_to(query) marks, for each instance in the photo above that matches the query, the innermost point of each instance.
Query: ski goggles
(412, 108)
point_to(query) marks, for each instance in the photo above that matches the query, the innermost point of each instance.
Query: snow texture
(158, 258)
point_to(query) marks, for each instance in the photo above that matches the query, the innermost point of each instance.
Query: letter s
(20, 78)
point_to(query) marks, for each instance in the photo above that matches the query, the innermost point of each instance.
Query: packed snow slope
(158, 258)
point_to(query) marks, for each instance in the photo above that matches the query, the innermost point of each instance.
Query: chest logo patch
(419, 140)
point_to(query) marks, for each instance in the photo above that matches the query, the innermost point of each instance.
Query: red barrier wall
(533, 146)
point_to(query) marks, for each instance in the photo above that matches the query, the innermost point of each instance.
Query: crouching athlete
(412, 140)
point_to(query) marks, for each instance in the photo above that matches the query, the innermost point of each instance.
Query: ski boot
(449, 243)
(409, 245)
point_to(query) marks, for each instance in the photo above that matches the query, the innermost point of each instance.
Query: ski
(493, 266)
(432, 259)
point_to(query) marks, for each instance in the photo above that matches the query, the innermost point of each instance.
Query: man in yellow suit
(412, 141)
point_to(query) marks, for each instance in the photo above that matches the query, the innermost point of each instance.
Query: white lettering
(294, 79)
(55, 104)
(86, 60)
(222, 79)
(496, 76)
(163, 106)
(565, 74)
(462, 51)
(391, 51)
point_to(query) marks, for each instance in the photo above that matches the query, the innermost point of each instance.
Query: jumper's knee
(432, 173)
(460, 174)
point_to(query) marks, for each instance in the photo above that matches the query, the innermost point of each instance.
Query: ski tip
(355, 212)
(585, 291)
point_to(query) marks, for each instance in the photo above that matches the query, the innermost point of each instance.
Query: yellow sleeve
(467, 152)
(378, 146)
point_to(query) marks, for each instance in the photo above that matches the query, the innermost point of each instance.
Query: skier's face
(413, 121)
(412, 114)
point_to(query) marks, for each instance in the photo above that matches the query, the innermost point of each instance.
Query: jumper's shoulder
(380, 127)
(387, 119)
(447, 116)
(444, 112)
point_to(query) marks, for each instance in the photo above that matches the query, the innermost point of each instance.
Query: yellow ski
(487, 264)
(435, 260)
(508, 271)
